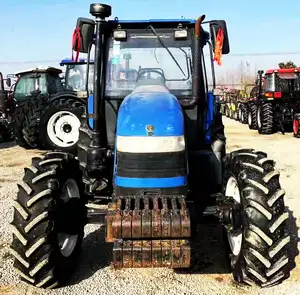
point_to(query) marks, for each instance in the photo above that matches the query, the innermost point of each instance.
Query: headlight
(180, 34)
(120, 35)
(150, 144)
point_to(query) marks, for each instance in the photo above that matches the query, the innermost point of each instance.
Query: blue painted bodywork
(160, 109)
(209, 116)
(154, 108)
(68, 61)
(90, 106)
(151, 182)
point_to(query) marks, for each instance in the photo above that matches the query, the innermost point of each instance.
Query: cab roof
(284, 71)
(67, 61)
(164, 23)
(40, 70)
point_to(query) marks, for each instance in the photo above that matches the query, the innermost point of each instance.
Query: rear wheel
(265, 119)
(259, 252)
(296, 123)
(25, 122)
(252, 117)
(48, 221)
(243, 114)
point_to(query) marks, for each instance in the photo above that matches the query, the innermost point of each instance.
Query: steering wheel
(144, 71)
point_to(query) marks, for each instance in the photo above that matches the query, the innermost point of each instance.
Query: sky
(39, 32)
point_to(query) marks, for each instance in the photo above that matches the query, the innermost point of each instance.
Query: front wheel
(48, 221)
(258, 247)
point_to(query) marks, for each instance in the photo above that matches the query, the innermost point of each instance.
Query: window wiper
(164, 46)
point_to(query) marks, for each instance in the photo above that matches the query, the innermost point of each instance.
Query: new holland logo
(150, 129)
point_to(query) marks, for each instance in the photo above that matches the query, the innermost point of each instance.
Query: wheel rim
(259, 124)
(249, 119)
(63, 128)
(67, 242)
(296, 127)
(235, 238)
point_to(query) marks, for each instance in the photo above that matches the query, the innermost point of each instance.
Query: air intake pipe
(197, 76)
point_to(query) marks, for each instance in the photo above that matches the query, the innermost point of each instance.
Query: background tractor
(6, 104)
(276, 101)
(45, 114)
(76, 76)
(244, 106)
(152, 165)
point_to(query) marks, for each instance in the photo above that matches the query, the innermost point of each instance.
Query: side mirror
(83, 34)
(8, 82)
(214, 27)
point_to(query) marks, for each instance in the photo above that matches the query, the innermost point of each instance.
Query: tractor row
(273, 104)
(151, 163)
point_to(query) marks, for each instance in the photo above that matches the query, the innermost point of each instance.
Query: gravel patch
(95, 276)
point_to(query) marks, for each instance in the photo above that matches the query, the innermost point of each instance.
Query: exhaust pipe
(197, 75)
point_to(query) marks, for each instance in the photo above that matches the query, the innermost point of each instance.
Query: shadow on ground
(209, 255)
(96, 254)
(6, 145)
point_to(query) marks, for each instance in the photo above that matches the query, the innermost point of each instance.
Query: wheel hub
(232, 215)
(67, 128)
(66, 241)
(63, 129)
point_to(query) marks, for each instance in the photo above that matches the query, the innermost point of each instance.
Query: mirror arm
(212, 64)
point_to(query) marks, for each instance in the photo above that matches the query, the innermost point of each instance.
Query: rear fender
(68, 95)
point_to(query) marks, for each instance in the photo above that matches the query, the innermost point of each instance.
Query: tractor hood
(150, 105)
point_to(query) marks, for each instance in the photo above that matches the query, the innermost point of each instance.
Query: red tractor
(276, 101)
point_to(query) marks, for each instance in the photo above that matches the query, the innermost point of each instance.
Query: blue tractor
(151, 164)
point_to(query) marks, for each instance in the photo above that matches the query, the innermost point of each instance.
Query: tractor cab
(281, 83)
(76, 75)
(44, 81)
(153, 56)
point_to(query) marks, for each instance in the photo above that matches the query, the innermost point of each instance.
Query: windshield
(75, 77)
(28, 83)
(287, 82)
(284, 82)
(142, 60)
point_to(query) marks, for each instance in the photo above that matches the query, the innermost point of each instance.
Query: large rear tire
(48, 221)
(259, 254)
(25, 122)
(243, 117)
(265, 119)
(252, 117)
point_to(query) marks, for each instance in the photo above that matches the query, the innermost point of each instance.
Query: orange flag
(219, 47)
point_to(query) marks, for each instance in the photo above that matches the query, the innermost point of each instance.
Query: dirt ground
(213, 277)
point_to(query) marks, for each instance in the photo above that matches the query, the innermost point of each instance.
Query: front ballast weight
(149, 231)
